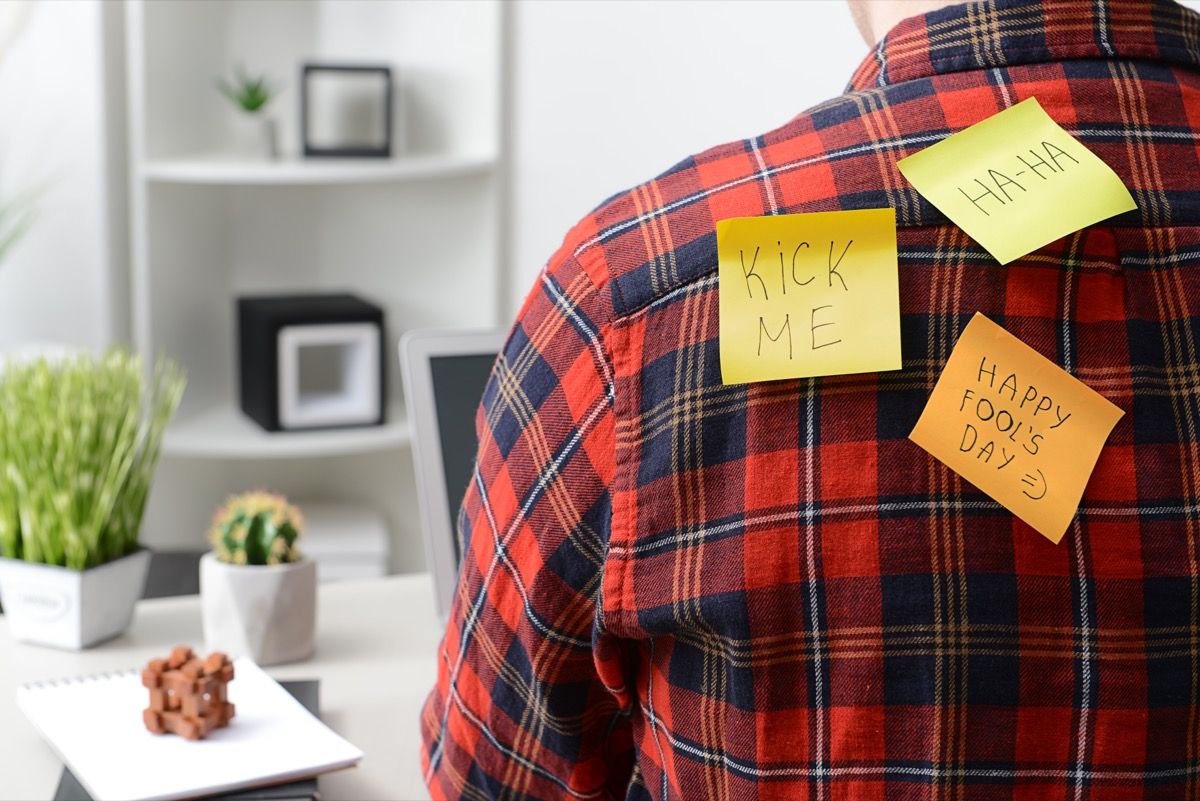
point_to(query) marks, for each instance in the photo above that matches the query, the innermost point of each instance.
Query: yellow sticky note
(1017, 181)
(808, 294)
(1016, 425)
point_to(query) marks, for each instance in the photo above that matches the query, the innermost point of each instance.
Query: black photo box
(264, 325)
(374, 89)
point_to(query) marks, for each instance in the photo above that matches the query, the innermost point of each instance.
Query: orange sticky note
(1016, 425)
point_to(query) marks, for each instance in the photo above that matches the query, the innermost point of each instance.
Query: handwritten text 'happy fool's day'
(1017, 181)
(1016, 426)
(808, 295)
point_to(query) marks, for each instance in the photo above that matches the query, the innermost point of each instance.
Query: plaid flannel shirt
(677, 589)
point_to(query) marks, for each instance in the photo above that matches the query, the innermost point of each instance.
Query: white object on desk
(265, 612)
(376, 660)
(67, 608)
(347, 541)
(438, 504)
(95, 724)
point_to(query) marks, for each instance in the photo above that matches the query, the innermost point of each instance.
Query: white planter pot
(71, 608)
(255, 136)
(265, 612)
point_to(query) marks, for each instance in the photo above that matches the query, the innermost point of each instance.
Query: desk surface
(376, 646)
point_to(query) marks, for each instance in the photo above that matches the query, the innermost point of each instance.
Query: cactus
(257, 528)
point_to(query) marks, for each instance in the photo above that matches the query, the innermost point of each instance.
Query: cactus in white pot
(258, 593)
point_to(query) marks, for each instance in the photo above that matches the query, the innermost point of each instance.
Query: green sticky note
(1017, 181)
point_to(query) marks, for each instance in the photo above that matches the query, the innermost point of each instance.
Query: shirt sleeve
(521, 708)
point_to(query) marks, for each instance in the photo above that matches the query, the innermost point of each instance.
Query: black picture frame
(307, 71)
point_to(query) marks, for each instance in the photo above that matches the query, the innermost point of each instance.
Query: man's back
(674, 588)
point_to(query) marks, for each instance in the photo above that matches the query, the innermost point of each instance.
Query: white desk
(376, 646)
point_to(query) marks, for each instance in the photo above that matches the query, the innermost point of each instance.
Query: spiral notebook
(94, 723)
(307, 692)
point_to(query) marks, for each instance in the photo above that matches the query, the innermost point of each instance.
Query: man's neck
(875, 18)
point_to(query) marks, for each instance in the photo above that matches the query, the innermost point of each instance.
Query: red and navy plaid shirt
(677, 589)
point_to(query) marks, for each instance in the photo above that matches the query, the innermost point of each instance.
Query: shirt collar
(1004, 33)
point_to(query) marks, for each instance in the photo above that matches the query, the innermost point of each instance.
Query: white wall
(604, 94)
(55, 284)
(608, 94)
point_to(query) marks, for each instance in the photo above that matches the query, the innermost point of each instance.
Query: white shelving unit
(417, 233)
(223, 432)
(221, 170)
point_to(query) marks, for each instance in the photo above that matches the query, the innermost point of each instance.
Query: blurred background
(153, 169)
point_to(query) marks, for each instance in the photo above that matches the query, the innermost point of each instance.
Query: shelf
(218, 170)
(223, 432)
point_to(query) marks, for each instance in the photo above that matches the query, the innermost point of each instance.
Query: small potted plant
(79, 441)
(250, 96)
(257, 593)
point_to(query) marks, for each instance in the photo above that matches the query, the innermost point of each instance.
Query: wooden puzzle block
(188, 695)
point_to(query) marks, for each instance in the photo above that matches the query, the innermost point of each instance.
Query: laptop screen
(458, 383)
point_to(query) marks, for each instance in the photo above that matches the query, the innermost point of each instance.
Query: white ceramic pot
(255, 135)
(265, 612)
(67, 608)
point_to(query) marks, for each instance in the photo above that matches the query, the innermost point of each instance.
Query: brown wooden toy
(188, 694)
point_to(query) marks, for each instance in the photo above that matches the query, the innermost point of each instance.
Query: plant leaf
(266, 535)
(251, 94)
(16, 216)
(256, 554)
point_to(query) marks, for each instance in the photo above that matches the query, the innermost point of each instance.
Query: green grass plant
(79, 441)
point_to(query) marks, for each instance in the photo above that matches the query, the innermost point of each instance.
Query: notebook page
(95, 724)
